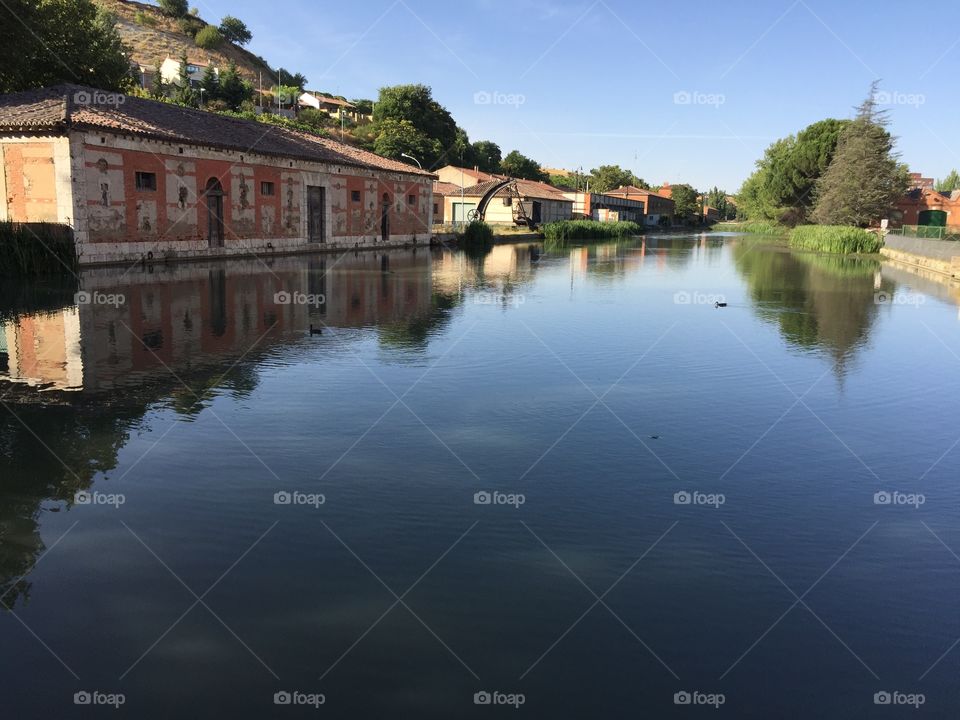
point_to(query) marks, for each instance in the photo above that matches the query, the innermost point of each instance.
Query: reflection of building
(141, 179)
(507, 264)
(43, 350)
(182, 318)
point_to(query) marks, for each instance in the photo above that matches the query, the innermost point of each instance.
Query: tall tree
(520, 166)
(235, 30)
(487, 155)
(608, 177)
(415, 104)
(396, 137)
(287, 78)
(184, 93)
(210, 82)
(865, 178)
(175, 8)
(686, 204)
(950, 183)
(234, 90)
(68, 41)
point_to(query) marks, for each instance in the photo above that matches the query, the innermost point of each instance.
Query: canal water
(434, 484)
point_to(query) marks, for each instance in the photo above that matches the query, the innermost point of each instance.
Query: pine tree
(210, 84)
(185, 94)
(158, 88)
(865, 178)
(950, 183)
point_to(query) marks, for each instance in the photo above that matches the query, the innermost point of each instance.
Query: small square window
(266, 188)
(146, 181)
(355, 195)
(411, 199)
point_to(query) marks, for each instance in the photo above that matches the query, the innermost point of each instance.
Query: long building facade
(138, 179)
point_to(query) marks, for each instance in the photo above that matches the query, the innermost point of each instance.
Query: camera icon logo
(282, 298)
(682, 97)
(682, 698)
(282, 698)
(482, 97)
(882, 698)
(482, 498)
(682, 498)
(881, 298)
(681, 298)
(282, 498)
(82, 497)
(82, 698)
(82, 97)
(482, 698)
(81, 298)
(882, 498)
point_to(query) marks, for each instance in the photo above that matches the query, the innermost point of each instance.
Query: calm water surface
(150, 438)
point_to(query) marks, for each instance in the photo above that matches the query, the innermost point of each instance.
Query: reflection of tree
(819, 302)
(414, 331)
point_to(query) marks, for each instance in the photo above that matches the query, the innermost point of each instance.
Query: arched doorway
(385, 217)
(214, 193)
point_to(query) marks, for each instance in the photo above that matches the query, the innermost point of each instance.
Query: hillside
(153, 36)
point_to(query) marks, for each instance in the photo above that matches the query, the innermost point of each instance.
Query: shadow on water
(819, 303)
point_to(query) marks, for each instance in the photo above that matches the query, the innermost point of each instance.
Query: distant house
(605, 208)
(711, 214)
(918, 181)
(441, 191)
(463, 177)
(926, 206)
(540, 202)
(659, 207)
(170, 71)
(335, 107)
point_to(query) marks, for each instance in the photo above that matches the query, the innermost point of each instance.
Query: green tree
(402, 136)
(865, 178)
(289, 79)
(208, 38)
(487, 155)
(234, 90)
(608, 177)
(685, 202)
(949, 183)
(717, 198)
(158, 88)
(184, 93)
(174, 8)
(415, 104)
(210, 82)
(363, 106)
(235, 30)
(68, 41)
(317, 119)
(520, 166)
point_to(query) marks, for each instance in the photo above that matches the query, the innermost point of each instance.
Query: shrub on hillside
(145, 19)
(209, 38)
(835, 239)
(190, 25)
(174, 8)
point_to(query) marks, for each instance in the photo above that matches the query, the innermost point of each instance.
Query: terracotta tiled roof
(477, 175)
(445, 188)
(631, 190)
(73, 106)
(527, 188)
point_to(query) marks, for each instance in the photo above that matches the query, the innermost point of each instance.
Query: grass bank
(757, 228)
(589, 230)
(34, 248)
(835, 239)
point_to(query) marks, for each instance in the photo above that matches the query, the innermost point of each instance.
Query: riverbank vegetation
(756, 227)
(36, 248)
(589, 230)
(835, 239)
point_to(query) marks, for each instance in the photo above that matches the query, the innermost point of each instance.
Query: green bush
(835, 239)
(190, 25)
(589, 230)
(174, 8)
(477, 233)
(756, 227)
(145, 19)
(209, 38)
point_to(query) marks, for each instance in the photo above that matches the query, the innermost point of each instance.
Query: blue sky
(683, 92)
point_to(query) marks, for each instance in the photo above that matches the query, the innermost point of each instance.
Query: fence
(930, 232)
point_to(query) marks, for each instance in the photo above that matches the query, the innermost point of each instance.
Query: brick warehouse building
(139, 178)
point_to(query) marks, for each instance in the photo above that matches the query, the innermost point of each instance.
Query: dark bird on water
(719, 304)
(315, 331)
